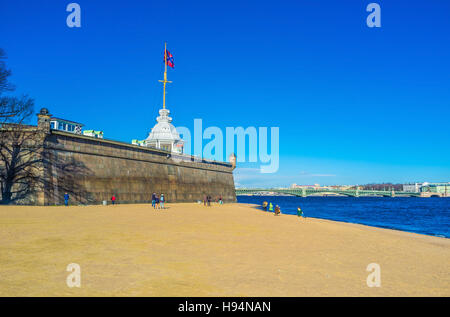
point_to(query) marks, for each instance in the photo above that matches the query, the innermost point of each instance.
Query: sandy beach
(192, 250)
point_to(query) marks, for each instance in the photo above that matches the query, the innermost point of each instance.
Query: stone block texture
(92, 170)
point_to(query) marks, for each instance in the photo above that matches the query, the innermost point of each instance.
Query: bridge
(304, 192)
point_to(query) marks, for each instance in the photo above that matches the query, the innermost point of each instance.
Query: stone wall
(92, 170)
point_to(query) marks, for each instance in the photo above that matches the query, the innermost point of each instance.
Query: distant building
(139, 143)
(412, 188)
(341, 187)
(315, 186)
(93, 133)
(65, 125)
(439, 188)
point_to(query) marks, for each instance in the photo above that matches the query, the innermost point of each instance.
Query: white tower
(164, 135)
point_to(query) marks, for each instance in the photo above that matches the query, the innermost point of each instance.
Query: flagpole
(165, 60)
(165, 74)
(165, 81)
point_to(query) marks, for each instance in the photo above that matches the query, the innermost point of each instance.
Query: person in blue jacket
(66, 199)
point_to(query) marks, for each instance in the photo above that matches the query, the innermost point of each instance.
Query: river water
(429, 216)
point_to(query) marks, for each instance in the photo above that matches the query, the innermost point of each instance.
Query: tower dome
(164, 135)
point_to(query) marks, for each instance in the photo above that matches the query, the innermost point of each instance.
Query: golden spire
(165, 81)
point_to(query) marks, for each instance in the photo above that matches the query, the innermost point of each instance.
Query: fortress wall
(92, 170)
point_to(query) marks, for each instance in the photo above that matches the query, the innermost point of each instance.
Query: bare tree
(24, 159)
(28, 167)
(16, 110)
(4, 74)
(383, 186)
(20, 160)
(12, 109)
(15, 139)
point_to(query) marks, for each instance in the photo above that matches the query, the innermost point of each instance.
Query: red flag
(169, 59)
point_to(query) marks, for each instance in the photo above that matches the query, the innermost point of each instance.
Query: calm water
(429, 216)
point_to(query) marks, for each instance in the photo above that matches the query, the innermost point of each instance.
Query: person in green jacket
(300, 212)
(270, 207)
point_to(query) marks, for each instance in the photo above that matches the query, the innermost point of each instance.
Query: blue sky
(353, 104)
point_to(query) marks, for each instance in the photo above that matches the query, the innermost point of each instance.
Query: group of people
(158, 201)
(67, 197)
(269, 207)
(207, 200)
(266, 205)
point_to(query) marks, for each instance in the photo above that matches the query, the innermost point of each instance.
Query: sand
(192, 250)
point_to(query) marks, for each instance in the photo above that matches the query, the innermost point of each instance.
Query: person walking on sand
(157, 202)
(162, 201)
(204, 200)
(270, 207)
(153, 200)
(66, 199)
(113, 199)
